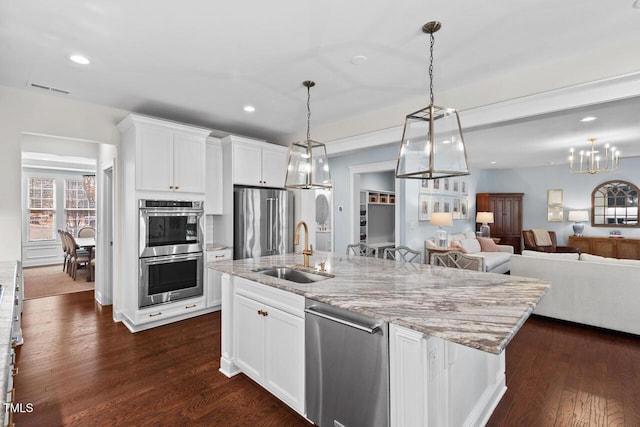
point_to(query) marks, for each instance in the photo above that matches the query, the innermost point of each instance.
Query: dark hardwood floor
(78, 367)
(561, 374)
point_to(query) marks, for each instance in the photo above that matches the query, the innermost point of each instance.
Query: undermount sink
(292, 275)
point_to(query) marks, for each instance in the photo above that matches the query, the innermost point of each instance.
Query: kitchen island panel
(475, 309)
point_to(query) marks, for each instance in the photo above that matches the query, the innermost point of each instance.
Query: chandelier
(591, 162)
(308, 166)
(89, 184)
(432, 144)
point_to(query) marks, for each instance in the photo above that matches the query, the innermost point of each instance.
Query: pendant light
(308, 166)
(432, 144)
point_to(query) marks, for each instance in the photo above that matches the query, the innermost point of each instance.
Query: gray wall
(412, 232)
(534, 183)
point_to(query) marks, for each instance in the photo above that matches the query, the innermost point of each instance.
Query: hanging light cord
(431, 68)
(308, 113)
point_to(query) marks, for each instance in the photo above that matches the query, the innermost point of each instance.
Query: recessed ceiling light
(359, 59)
(79, 59)
(493, 162)
(249, 108)
(588, 119)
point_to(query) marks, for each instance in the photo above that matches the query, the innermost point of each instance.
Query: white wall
(48, 114)
(534, 183)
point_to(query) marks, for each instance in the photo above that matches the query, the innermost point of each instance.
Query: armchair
(544, 241)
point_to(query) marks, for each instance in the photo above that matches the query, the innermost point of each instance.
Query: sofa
(495, 257)
(586, 289)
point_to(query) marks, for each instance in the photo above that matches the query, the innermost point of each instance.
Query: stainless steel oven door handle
(171, 212)
(170, 258)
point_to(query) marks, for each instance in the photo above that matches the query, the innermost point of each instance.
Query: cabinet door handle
(14, 371)
(190, 306)
(155, 314)
(260, 312)
(265, 313)
(176, 187)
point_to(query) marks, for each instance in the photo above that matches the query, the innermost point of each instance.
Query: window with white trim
(79, 211)
(41, 204)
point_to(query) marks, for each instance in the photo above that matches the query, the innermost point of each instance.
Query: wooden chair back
(403, 253)
(361, 249)
(87, 232)
(455, 259)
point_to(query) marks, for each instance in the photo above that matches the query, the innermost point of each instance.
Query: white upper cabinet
(213, 202)
(258, 163)
(274, 165)
(169, 156)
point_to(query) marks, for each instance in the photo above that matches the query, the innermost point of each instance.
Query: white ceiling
(201, 61)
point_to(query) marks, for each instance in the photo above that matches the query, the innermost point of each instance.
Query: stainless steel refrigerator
(263, 222)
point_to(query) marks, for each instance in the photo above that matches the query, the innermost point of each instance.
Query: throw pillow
(487, 245)
(457, 246)
(470, 245)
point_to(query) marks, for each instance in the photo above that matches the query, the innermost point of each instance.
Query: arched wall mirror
(614, 204)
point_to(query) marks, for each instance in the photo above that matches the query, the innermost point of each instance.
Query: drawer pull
(190, 306)
(155, 314)
(14, 371)
(220, 256)
(176, 187)
(263, 313)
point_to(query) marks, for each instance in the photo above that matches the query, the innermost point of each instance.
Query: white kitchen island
(448, 330)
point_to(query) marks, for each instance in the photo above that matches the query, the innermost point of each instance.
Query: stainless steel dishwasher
(347, 367)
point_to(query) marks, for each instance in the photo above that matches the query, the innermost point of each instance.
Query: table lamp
(485, 218)
(441, 219)
(577, 217)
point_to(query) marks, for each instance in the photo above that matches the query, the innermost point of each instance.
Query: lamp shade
(578, 216)
(484, 217)
(441, 219)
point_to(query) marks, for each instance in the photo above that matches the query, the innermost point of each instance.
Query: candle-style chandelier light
(592, 162)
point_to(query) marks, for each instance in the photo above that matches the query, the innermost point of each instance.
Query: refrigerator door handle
(270, 203)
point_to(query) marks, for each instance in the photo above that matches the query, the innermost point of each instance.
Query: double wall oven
(170, 251)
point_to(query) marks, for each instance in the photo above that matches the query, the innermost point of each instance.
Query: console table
(610, 247)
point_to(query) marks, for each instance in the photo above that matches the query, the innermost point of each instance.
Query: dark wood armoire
(507, 216)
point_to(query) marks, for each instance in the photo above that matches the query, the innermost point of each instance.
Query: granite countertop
(7, 271)
(216, 247)
(479, 310)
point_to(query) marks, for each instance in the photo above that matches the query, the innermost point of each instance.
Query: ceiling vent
(50, 89)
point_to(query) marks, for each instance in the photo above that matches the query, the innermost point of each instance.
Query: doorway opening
(375, 213)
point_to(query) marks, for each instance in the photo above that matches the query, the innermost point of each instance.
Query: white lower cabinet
(434, 382)
(168, 312)
(268, 339)
(213, 278)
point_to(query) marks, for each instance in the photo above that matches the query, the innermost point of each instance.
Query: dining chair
(65, 250)
(92, 266)
(77, 258)
(403, 253)
(362, 249)
(87, 232)
(455, 259)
